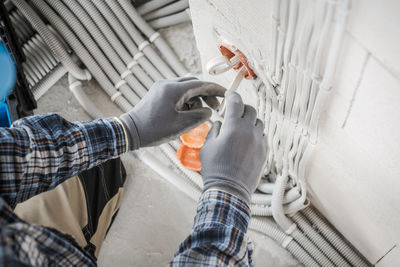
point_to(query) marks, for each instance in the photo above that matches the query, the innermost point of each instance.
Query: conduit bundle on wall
(121, 51)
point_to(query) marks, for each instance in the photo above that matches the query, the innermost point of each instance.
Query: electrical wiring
(152, 5)
(143, 45)
(167, 10)
(153, 36)
(170, 20)
(125, 55)
(114, 41)
(125, 37)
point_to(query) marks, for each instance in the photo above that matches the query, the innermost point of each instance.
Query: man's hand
(234, 153)
(169, 109)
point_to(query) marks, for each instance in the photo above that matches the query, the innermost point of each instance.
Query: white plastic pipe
(167, 10)
(76, 88)
(82, 53)
(123, 35)
(268, 228)
(152, 5)
(170, 20)
(113, 40)
(80, 18)
(159, 42)
(48, 81)
(51, 41)
(143, 45)
(91, 45)
(334, 238)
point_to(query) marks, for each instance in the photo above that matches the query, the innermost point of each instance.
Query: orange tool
(189, 157)
(195, 138)
(189, 153)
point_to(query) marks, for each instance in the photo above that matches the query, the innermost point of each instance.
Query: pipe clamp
(115, 96)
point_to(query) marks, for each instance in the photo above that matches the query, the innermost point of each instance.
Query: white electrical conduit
(76, 88)
(137, 56)
(167, 10)
(82, 53)
(115, 42)
(41, 49)
(272, 231)
(334, 238)
(265, 199)
(232, 87)
(152, 5)
(22, 27)
(30, 73)
(35, 64)
(143, 45)
(290, 227)
(82, 19)
(85, 37)
(318, 240)
(38, 61)
(170, 20)
(55, 46)
(282, 29)
(153, 36)
(48, 81)
(275, 23)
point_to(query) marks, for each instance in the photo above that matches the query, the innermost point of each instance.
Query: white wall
(354, 171)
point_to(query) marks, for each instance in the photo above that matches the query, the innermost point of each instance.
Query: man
(40, 152)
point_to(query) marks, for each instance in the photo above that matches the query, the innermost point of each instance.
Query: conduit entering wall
(108, 38)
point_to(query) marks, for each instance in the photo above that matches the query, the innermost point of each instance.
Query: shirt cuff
(121, 135)
(220, 207)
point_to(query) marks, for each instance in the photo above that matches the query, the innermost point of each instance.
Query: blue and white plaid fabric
(219, 234)
(38, 153)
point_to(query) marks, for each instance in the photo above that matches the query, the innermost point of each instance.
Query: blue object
(8, 78)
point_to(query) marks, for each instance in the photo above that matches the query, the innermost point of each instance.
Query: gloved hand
(233, 154)
(169, 109)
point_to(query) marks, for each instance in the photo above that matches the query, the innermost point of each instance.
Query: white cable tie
(119, 84)
(137, 56)
(143, 45)
(88, 75)
(115, 96)
(154, 36)
(286, 241)
(131, 64)
(125, 73)
(291, 229)
(74, 85)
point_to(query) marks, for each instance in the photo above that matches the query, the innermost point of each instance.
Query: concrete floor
(154, 217)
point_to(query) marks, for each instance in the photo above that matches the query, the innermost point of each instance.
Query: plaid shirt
(38, 153)
(219, 233)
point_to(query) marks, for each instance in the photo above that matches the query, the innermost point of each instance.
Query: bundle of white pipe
(161, 14)
(105, 37)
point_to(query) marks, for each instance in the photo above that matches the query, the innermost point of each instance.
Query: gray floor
(154, 217)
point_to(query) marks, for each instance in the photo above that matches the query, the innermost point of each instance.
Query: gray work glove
(233, 154)
(170, 108)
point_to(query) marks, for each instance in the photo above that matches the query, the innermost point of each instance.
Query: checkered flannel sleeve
(37, 153)
(219, 234)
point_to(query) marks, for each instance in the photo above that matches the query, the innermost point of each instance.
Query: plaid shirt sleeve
(219, 233)
(37, 153)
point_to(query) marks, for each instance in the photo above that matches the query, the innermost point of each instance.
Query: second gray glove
(170, 108)
(233, 155)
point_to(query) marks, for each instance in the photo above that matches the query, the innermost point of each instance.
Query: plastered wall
(354, 171)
